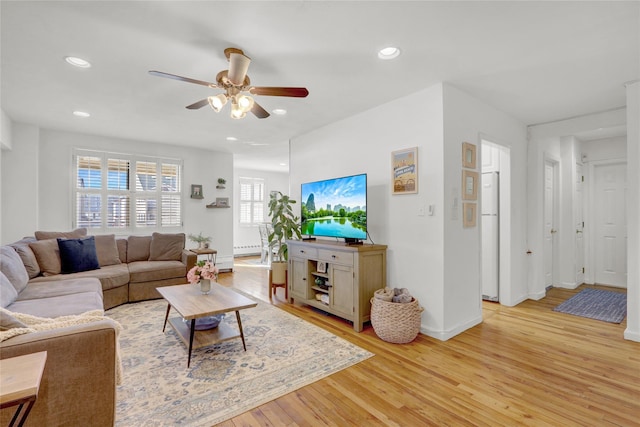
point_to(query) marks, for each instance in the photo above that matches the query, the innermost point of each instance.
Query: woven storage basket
(395, 322)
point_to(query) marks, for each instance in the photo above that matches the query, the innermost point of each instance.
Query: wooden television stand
(347, 277)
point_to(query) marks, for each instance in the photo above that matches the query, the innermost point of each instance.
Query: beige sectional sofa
(79, 382)
(130, 268)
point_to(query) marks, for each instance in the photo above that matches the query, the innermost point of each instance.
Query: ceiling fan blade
(238, 66)
(297, 92)
(198, 104)
(258, 111)
(182, 79)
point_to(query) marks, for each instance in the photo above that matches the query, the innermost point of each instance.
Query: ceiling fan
(237, 86)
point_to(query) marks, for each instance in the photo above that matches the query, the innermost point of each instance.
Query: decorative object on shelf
(222, 202)
(469, 215)
(405, 171)
(202, 241)
(468, 155)
(207, 322)
(469, 185)
(196, 191)
(221, 183)
(322, 267)
(203, 272)
(319, 281)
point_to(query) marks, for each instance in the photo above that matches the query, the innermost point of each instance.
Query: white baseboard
(567, 285)
(536, 296)
(445, 335)
(631, 335)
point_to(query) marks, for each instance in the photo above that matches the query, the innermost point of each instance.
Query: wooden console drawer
(335, 257)
(302, 252)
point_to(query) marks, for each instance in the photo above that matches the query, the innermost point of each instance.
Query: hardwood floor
(524, 365)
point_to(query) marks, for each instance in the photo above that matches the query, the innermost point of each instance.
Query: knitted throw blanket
(36, 324)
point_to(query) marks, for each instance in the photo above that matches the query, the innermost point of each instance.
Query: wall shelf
(217, 207)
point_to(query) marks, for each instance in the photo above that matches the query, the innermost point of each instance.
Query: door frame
(504, 219)
(589, 216)
(554, 162)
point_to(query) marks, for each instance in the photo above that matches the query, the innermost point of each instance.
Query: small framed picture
(404, 173)
(469, 185)
(469, 215)
(322, 267)
(222, 201)
(468, 155)
(196, 191)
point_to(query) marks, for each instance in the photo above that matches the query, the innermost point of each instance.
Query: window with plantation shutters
(251, 201)
(126, 192)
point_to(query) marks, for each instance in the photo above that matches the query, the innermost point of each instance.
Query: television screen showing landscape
(335, 207)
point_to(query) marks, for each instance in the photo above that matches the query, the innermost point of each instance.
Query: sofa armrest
(78, 386)
(189, 259)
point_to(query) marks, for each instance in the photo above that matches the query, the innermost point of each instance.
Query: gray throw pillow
(8, 293)
(166, 247)
(12, 267)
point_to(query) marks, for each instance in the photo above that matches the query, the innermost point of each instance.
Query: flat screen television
(335, 207)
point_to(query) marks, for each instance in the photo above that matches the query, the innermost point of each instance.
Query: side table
(19, 383)
(210, 253)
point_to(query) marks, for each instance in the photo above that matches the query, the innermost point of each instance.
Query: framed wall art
(468, 155)
(469, 185)
(222, 202)
(469, 212)
(405, 171)
(196, 191)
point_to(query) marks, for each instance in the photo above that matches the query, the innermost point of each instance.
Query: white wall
(38, 173)
(633, 212)
(246, 239)
(604, 149)
(432, 256)
(469, 119)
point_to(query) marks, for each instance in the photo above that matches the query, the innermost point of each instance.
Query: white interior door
(549, 221)
(610, 224)
(579, 224)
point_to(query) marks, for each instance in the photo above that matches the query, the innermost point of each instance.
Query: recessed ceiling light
(279, 111)
(258, 144)
(388, 52)
(77, 62)
(232, 138)
(283, 164)
(81, 114)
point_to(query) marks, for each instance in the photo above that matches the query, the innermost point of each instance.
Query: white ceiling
(538, 61)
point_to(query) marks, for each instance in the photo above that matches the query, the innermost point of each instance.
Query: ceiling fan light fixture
(236, 111)
(245, 103)
(217, 102)
(389, 52)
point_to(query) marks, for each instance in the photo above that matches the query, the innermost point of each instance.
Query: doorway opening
(495, 223)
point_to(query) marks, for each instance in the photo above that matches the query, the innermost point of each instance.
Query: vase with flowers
(203, 273)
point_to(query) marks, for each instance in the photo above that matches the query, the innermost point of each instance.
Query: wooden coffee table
(20, 379)
(191, 305)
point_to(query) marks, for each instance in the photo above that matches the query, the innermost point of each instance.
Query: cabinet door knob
(333, 256)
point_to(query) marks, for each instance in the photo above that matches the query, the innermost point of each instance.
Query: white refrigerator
(490, 236)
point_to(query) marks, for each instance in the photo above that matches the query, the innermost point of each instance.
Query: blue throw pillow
(78, 255)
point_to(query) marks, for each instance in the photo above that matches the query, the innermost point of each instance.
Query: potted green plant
(284, 226)
(201, 240)
(221, 183)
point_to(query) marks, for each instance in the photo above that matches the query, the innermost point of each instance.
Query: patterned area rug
(283, 354)
(596, 304)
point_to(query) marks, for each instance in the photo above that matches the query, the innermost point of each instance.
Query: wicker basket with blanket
(395, 322)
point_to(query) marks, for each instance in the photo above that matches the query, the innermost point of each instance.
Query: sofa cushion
(111, 276)
(7, 321)
(8, 293)
(166, 247)
(62, 305)
(46, 235)
(48, 255)
(28, 257)
(13, 268)
(78, 255)
(122, 249)
(147, 271)
(138, 248)
(107, 250)
(56, 288)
